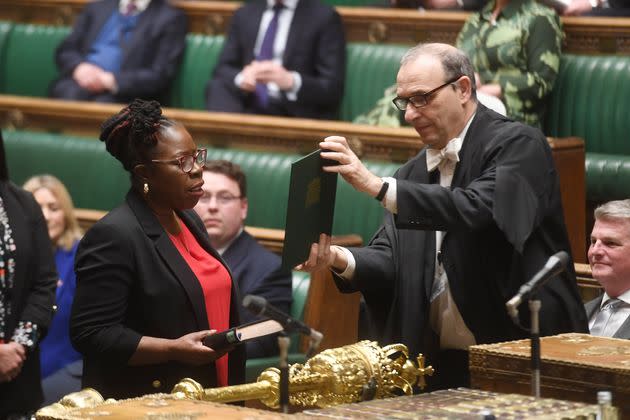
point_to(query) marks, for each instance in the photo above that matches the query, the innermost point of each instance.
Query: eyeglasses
(421, 99)
(222, 198)
(187, 162)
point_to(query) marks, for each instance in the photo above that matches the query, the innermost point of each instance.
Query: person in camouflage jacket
(515, 48)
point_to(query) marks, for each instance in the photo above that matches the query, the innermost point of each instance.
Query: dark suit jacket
(33, 293)
(592, 307)
(503, 218)
(257, 272)
(132, 282)
(150, 60)
(316, 49)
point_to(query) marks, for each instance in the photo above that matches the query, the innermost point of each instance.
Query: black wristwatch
(382, 192)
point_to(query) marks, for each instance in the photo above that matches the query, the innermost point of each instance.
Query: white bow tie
(448, 153)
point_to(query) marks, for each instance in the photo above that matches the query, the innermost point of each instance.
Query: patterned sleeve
(524, 89)
(26, 334)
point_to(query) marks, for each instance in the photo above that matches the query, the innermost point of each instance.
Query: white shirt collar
(141, 5)
(625, 297)
(450, 152)
(289, 4)
(230, 242)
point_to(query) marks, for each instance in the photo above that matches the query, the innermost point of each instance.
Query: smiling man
(609, 256)
(471, 218)
(223, 210)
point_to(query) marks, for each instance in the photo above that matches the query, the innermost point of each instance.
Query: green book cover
(310, 209)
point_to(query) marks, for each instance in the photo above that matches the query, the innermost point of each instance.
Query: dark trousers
(451, 370)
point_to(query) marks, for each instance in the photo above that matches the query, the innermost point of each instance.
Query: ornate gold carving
(214, 24)
(604, 350)
(356, 145)
(377, 32)
(336, 376)
(64, 16)
(15, 119)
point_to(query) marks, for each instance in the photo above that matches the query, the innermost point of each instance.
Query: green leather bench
(591, 99)
(370, 67)
(97, 181)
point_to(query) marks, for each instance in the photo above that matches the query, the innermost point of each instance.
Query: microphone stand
(284, 342)
(534, 309)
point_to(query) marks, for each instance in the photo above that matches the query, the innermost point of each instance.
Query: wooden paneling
(584, 35)
(327, 310)
(255, 132)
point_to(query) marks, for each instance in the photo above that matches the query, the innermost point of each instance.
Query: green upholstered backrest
(5, 30)
(370, 69)
(201, 56)
(301, 283)
(607, 177)
(28, 60)
(591, 99)
(94, 179)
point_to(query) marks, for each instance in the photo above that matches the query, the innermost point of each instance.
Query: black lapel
(96, 26)
(299, 22)
(468, 155)
(237, 251)
(171, 257)
(139, 34)
(251, 29)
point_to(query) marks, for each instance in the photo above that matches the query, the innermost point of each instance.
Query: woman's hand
(190, 349)
(12, 356)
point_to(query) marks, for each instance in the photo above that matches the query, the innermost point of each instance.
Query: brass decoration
(604, 350)
(575, 338)
(64, 16)
(85, 398)
(214, 24)
(15, 119)
(356, 145)
(343, 375)
(377, 32)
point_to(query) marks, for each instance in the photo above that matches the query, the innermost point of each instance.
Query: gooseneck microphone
(555, 265)
(260, 307)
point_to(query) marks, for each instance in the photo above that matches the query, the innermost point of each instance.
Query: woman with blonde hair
(61, 364)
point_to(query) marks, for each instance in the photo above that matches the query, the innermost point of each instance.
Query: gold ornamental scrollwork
(343, 375)
(356, 145)
(64, 16)
(214, 24)
(378, 32)
(14, 119)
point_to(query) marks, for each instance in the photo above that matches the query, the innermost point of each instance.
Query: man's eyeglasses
(421, 99)
(187, 162)
(222, 198)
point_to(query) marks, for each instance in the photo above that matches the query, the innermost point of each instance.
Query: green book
(310, 209)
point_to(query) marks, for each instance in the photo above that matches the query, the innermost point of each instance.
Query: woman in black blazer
(27, 293)
(149, 285)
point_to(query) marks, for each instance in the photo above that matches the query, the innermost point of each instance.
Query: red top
(216, 284)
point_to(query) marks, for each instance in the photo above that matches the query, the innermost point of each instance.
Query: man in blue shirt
(119, 50)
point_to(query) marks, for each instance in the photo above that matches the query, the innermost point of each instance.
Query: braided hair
(131, 134)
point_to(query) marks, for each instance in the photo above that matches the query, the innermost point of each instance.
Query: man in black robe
(485, 194)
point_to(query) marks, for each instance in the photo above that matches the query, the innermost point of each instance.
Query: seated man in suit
(609, 257)
(223, 209)
(119, 50)
(284, 57)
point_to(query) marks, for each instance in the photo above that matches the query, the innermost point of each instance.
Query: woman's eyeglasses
(187, 162)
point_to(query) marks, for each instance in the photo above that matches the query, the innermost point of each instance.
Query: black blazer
(316, 48)
(503, 218)
(258, 272)
(131, 282)
(150, 59)
(33, 293)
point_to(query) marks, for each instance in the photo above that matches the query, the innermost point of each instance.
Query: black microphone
(260, 307)
(555, 265)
